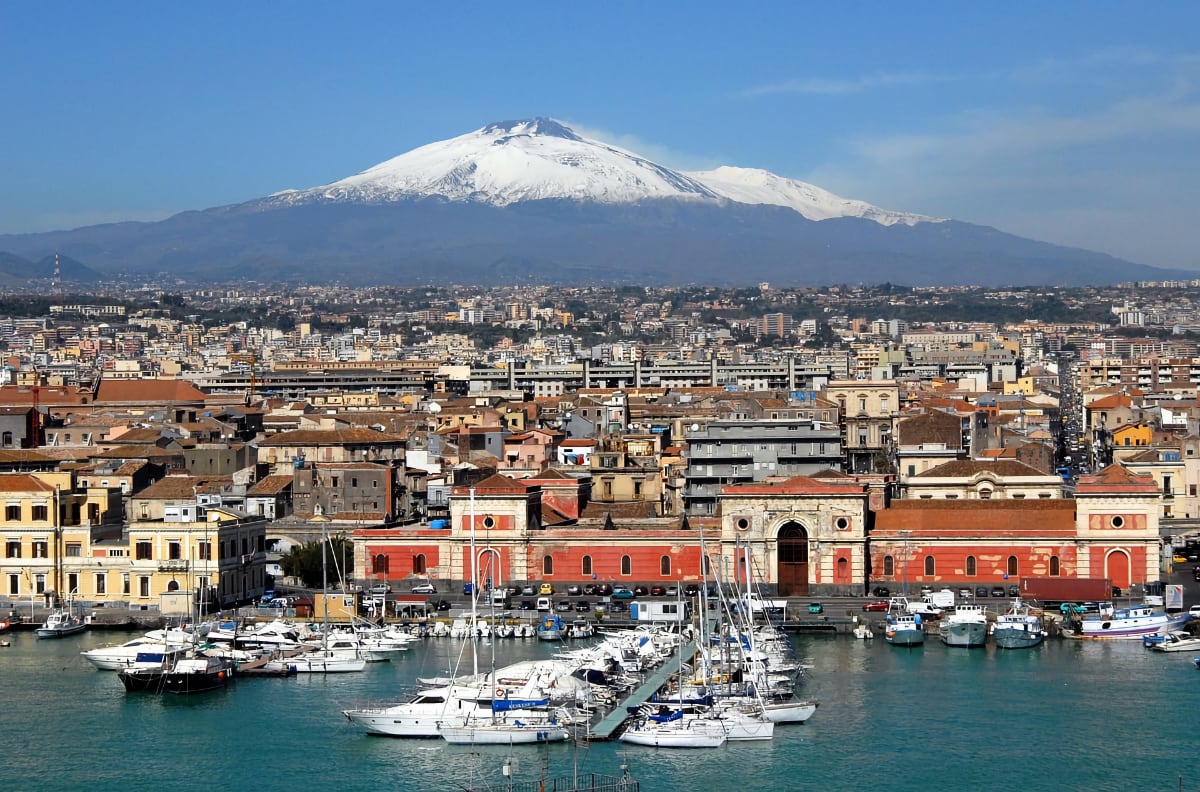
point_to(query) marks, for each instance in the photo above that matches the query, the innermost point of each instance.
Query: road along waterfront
(1067, 715)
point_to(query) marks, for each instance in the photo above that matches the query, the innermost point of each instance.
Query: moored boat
(61, 623)
(182, 675)
(965, 626)
(1129, 623)
(1177, 641)
(1020, 627)
(904, 629)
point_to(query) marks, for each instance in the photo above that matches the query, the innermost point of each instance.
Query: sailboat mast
(474, 597)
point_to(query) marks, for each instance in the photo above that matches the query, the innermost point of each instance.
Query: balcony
(173, 565)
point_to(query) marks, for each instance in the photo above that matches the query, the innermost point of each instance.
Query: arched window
(626, 565)
(971, 566)
(418, 564)
(379, 565)
(889, 566)
(843, 570)
(587, 565)
(1055, 570)
(547, 565)
(664, 566)
(929, 566)
(1012, 566)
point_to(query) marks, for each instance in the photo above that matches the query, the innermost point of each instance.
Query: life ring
(501, 693)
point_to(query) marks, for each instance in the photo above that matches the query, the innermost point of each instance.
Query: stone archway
(1118, 568)
(793, 560)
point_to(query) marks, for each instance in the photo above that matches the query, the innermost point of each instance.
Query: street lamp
(905, 535)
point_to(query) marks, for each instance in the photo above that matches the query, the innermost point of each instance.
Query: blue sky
(1071, 122)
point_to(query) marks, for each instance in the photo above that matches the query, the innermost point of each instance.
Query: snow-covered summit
(755, 186)
(541, 158)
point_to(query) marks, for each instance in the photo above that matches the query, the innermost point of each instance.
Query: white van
(500, 598)
(544, 604)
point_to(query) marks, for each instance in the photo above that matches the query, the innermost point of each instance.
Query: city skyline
(1071, 124)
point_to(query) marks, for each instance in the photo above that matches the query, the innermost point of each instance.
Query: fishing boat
(1128, 623)
(61, 623)
(551, 628)
(904, 629)
(1020, 627)
(965, 626)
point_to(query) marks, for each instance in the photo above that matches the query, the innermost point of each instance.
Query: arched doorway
(490, 573)
(793, 560)
(1118, 569)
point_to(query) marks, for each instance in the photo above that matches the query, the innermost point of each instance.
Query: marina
(292, 728)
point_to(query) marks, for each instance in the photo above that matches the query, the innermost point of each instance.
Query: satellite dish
(1178, 397)
(695, 427)
(435, 408)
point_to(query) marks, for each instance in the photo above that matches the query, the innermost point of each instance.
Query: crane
(252, 359)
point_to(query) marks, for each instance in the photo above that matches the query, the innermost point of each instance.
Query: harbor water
(1067, 715)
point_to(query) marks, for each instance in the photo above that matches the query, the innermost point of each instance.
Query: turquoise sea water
(1067, 715)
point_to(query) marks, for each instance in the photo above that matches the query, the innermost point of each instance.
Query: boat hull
(676, 737)
(181, 683)
(904, 637)
(967, 635)
(790, 711)
(59, 632)
(504, 734)
(1012, 638)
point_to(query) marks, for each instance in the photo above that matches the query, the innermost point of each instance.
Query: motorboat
(1020, 627)
(965, 626)
(672, 728)
(551, 628)
(130, 653)
(61, 623)
(1177, 641)
(185, 674)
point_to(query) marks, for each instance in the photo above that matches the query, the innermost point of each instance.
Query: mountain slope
(533, 201)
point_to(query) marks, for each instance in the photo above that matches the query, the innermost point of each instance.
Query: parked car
(563, 605)
(526, 605)
(981, 591)
(601, 607)
(672, 591)
(582, 606)
(574, 591)
(1194, 611)
(546, 589)
(381, 588)
(1015, 591)
(423, 588)
(881, 591)
(997, 591)
(513, 590)
(527, 591)
(640, 591)
(622, 593)
(656, 591)
(815, 607)
(877, 605)
(964, 593)
(1179, 558)
(590, 589)
(604, 590)
(691, 589)
(442, 605)
(617, 606)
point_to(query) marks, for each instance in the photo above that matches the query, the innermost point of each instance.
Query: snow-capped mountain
(508, 162)
(540, 159)
(535, 202)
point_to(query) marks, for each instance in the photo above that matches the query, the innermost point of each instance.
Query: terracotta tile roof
(16, 456)
(147, 391)
(23, 482)
(552, 474)
(353, 436)
(797, 485)
(183, 487)
(270, 485)
(944, 519)
(1112, 402)
(633, 510)
(138, 452)
(966, 468)
(580, 442)
(1116, 479)
(496, 484)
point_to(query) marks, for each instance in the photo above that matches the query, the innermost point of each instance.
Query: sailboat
(328, 659)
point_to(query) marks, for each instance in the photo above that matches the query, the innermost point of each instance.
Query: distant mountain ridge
(534, 201)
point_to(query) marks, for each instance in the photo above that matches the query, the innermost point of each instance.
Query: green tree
(304, 561)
